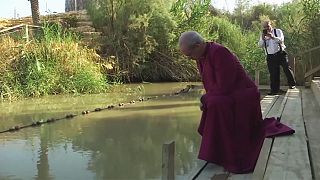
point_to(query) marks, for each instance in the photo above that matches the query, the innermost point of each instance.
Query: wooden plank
(289, 159)
(312, 71)
(266, 108)
(264, 155)
(263, 158)
(223, 176)
(312, 49)
(216, 172)
(311, 114)
(210, 171)
(315, 87)
(168, 150)
(194, 173)
(267, 103)
(274, 111)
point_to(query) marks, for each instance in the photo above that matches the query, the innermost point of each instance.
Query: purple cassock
(231, 125)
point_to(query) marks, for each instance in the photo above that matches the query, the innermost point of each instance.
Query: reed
(52, 63)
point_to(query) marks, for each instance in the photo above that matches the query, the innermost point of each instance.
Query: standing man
(272, 40)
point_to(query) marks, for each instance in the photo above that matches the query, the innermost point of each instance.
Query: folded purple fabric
(274, 128)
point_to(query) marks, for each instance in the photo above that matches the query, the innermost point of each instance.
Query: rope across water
(109, 107)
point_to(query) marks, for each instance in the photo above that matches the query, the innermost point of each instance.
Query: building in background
(75, 5)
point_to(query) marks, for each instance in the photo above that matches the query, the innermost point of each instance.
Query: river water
(122, 143)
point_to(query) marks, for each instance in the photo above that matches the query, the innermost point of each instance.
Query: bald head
(190, 38)
(192, 44)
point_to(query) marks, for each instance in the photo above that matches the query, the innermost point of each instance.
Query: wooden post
(311, 66)
(294, 66)
(256, 77)
(27, 33)
(307, 82)
(168, 151)
(310, 60)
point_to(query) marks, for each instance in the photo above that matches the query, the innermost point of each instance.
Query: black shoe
(281, 91)
(272, 93)
(292, 87)
(276, 93)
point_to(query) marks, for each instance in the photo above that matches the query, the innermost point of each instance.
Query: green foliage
(191, 15)
(299, 20)
(53, 64)
(140, 34)
(312, 16)
(140, 42)
(143, 36)
(228, 34)
(291, 20)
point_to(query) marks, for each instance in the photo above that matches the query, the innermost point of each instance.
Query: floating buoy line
(109, 107)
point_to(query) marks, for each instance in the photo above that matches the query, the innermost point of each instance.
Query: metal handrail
(16, 28)
(12, 28)
(7, 30)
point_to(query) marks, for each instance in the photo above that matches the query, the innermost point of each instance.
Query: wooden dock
(294, 157)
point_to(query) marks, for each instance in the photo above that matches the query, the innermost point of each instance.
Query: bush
(53, 64)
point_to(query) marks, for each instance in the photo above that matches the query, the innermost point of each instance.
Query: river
(121, 143)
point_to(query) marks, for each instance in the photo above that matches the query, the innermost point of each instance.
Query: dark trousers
(274, 62)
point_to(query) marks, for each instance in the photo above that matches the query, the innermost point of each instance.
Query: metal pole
(75, 5)
(15, 13)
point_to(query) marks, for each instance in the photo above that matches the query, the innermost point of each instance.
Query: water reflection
(134, 147)
(26, 111)
(117, 144)
(43, 163)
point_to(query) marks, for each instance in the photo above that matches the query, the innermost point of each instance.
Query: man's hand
(269, 34)
(201, 103)
(201, 106)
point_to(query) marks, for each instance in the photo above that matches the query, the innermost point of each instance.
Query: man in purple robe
(231, 125)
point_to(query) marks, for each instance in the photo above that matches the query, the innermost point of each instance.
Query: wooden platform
(295, 157)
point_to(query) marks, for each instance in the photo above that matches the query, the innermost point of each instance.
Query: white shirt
(273, 45)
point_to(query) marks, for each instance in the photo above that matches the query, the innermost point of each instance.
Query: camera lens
(265, 31)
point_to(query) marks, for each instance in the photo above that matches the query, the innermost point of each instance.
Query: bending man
(231, 125)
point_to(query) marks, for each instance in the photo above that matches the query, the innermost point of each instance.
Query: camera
(265, 31)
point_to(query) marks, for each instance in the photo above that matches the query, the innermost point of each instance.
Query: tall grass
(54, 63)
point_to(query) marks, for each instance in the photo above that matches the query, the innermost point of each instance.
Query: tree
(312, 17)
(35, 11)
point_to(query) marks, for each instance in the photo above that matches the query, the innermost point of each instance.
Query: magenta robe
(231, 125)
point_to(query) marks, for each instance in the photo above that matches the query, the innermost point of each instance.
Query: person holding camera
(272, 40)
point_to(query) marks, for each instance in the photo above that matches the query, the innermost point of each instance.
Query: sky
(229, 5)
(21, 8)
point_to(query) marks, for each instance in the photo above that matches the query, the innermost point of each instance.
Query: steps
(289, 157)
(315, 87)
(84, 26)
(77, 21)
(311, 116)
